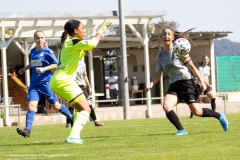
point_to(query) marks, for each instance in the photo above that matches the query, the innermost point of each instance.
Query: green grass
(127, 140)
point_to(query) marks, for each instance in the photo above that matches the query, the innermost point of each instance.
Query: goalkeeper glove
(104, 27)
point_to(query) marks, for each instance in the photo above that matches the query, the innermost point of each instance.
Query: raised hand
(104, 27)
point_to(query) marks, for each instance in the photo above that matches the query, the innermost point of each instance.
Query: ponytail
(178, 34)
(184, 35)
(63, 38)
(69, 28)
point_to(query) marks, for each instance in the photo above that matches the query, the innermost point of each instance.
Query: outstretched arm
(101, 31)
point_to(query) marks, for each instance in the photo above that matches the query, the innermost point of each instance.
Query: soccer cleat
(68, 126)
(181, 132)
(97, 123)
(191, 116)
(74, 141)
(223, 121)
(23, 132)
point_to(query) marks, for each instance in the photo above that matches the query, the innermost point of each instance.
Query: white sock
(80, 119)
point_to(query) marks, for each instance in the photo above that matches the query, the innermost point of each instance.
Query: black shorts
(85, 92)
(113, 93)
(186, 90)
(200, 90)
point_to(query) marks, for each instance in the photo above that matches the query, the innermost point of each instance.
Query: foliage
(11, 70)
(162, 24)
(127, 139)
(225, 47)
(2, 115)
(113, 66)
(159, 26)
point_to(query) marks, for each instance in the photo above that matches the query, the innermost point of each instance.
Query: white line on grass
(39, 155)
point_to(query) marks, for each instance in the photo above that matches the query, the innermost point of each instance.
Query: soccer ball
(181, 47)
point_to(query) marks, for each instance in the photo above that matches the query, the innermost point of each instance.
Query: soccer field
(128, 140)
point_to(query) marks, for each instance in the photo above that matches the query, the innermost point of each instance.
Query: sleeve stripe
(187, 60)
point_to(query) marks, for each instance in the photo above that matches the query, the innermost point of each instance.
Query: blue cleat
(74, 141)
(223, 121)
(181, 133)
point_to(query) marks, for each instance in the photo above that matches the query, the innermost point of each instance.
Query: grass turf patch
(127, 139)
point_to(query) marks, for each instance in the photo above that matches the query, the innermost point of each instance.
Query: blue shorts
(36, 90)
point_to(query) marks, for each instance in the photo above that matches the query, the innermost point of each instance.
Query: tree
(162, 24)
(225, 47)
(158, 27)
(113, 66)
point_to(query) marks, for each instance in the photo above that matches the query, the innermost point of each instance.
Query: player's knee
(167, 107)
(32, 108)
(211, 96)
(88, 109)
(56, 106)
(197, 112)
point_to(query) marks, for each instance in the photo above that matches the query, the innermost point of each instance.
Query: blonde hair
(45, 42)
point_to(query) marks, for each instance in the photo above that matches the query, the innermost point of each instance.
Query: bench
(132, 92)
(96, 98)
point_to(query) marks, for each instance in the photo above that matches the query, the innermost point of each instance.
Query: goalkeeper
(72, 49)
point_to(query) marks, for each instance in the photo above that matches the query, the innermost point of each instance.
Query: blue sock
(29, 120)
(66, 112)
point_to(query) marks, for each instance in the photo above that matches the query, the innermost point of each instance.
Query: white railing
(224, 95)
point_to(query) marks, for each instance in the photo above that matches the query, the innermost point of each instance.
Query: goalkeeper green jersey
(65, 74)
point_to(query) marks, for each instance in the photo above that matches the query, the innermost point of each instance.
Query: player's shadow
(31, 144)
(129, 135)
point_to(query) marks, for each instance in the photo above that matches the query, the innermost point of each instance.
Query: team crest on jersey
(41, 54)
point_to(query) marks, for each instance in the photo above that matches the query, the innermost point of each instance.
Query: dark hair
(63, 38)
(201, 63)
(178, 34)
(69, 28)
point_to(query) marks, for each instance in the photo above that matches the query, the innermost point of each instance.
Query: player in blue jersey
(43, 61)
(182, 86)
